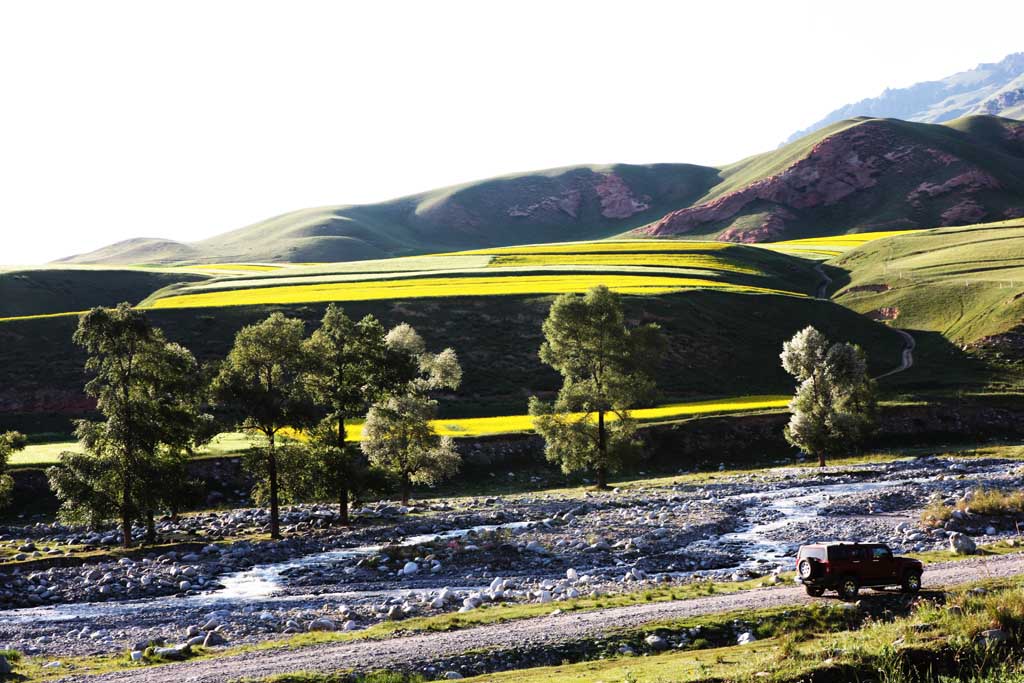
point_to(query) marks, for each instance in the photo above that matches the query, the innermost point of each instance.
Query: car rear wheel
(912, 583)
(807, 568)
(849, 588)
(815, 591)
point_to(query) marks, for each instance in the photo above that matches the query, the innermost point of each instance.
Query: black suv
(846, 567)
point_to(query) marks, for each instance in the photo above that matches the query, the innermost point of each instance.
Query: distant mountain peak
(996, 89)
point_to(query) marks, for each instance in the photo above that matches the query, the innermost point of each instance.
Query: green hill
(55, 290)
(863, 175)
(579, 202)
(855, 175)
(958, 291)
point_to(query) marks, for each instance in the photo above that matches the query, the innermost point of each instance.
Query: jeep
(847, 567)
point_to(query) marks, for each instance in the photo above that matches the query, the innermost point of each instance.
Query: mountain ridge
(855, 175)
(995, 89)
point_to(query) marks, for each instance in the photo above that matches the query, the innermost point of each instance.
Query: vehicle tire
(815, 591)
(849, 588)
(808, 568)
(912, 583)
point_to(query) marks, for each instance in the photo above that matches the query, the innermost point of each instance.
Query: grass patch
(988, 502)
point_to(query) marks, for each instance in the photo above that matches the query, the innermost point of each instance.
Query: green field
(966, 283)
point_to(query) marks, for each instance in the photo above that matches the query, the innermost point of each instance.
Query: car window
(816, 553)
(839, 553)
(881, 553)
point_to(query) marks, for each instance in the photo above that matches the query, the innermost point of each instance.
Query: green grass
(964, 283)
(46, 454)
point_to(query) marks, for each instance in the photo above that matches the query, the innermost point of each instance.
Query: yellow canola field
(506, 424)
(843, 242)
(409, 288)
(682, 260)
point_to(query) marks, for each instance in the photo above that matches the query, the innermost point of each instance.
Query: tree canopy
(397, 436)
(149, 392)
(606, 367)
(262, 385)
(833, 409)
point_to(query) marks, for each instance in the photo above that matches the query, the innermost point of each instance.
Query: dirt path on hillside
(422, 648)
(906, 358)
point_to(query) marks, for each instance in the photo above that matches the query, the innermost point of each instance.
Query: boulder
(214, 639)
(656, 642)
(962, 545)
(322, 624)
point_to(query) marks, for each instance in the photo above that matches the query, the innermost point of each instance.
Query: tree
(262, 383)
(148, 391)
(397, 436)
(351, 366)
(606, 369)
(10, 442)
(833, 409)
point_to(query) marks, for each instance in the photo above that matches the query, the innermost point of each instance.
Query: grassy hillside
(958, 291)
(578, 202)
(863, 175)
(53, 290)
(720, 344)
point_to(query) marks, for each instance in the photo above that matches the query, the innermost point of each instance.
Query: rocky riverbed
(439, 557)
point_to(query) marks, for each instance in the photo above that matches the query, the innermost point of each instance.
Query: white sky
(185, 119)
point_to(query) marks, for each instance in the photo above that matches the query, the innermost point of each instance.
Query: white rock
(746, 638)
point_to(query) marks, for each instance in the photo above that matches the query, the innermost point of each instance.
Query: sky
(186, 119)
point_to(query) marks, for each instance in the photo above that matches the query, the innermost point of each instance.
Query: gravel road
(422, 648)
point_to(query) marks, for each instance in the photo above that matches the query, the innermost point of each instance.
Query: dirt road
(426, 647)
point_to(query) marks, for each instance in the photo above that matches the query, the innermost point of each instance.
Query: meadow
(45, 454)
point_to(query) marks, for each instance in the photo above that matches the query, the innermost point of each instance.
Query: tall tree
(398, 437)
(10, 442)
(148, 391)
(351, 366)
(262, 382)
(606, 369)
(834, 407)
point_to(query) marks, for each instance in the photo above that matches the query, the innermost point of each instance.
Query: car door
(882, 567)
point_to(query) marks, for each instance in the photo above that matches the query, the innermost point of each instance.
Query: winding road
(425, 647)
(906, 357)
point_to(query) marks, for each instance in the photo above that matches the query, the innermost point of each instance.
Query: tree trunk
(275, 523)
(343, 505)
(126, 527)
(821, 459)
(602, 453)
(150, 527)
(343, 489)
(406, 489)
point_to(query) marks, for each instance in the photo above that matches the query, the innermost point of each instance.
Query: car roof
(828, 544)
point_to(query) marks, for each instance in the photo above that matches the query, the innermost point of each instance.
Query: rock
(410, 568)
(184, 586)
(52, 665)
(746, 638)
(195, 641)
(993, 637)
(5, 666)
(178, 652)
(136, 655)
(961, 544)
(214, 639)
(322, 624)
(656, 642)
(571, 574)
(452, 675)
